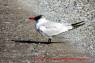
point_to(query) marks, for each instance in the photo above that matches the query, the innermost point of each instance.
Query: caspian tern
(50, 28)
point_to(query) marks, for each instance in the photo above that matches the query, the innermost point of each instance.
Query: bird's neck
(42, 20)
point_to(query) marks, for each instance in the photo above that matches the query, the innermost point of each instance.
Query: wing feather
(53, 28)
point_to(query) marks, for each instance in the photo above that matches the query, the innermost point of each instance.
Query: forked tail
(78, 24)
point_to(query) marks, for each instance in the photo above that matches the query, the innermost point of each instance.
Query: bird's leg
(49, 40)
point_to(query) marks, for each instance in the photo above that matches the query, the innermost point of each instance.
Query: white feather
(50, 28)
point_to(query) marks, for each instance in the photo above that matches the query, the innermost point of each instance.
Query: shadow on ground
(36, 42)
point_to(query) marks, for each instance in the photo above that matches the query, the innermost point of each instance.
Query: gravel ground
(15, 26)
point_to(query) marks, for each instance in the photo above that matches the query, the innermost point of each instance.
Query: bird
(51, 28)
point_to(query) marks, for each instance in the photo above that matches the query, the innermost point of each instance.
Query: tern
(50, 28)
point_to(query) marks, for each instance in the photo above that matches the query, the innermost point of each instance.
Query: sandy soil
(15, 26)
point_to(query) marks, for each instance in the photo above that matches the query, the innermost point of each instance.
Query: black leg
(49, 40)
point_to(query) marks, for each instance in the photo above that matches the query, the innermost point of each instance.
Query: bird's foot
(49, 40)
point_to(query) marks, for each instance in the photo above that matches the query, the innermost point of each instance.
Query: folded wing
(53, 28)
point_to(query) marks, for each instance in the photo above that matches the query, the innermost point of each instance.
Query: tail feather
(78, 24)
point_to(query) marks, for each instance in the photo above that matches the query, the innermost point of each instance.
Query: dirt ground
(15, 26)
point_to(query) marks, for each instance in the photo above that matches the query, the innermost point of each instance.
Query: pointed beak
(32, 18)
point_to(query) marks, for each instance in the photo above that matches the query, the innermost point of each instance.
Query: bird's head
(36, 18)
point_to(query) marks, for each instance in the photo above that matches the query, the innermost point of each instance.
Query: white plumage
(50, 28)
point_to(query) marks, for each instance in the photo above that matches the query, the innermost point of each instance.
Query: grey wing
(53, 28)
